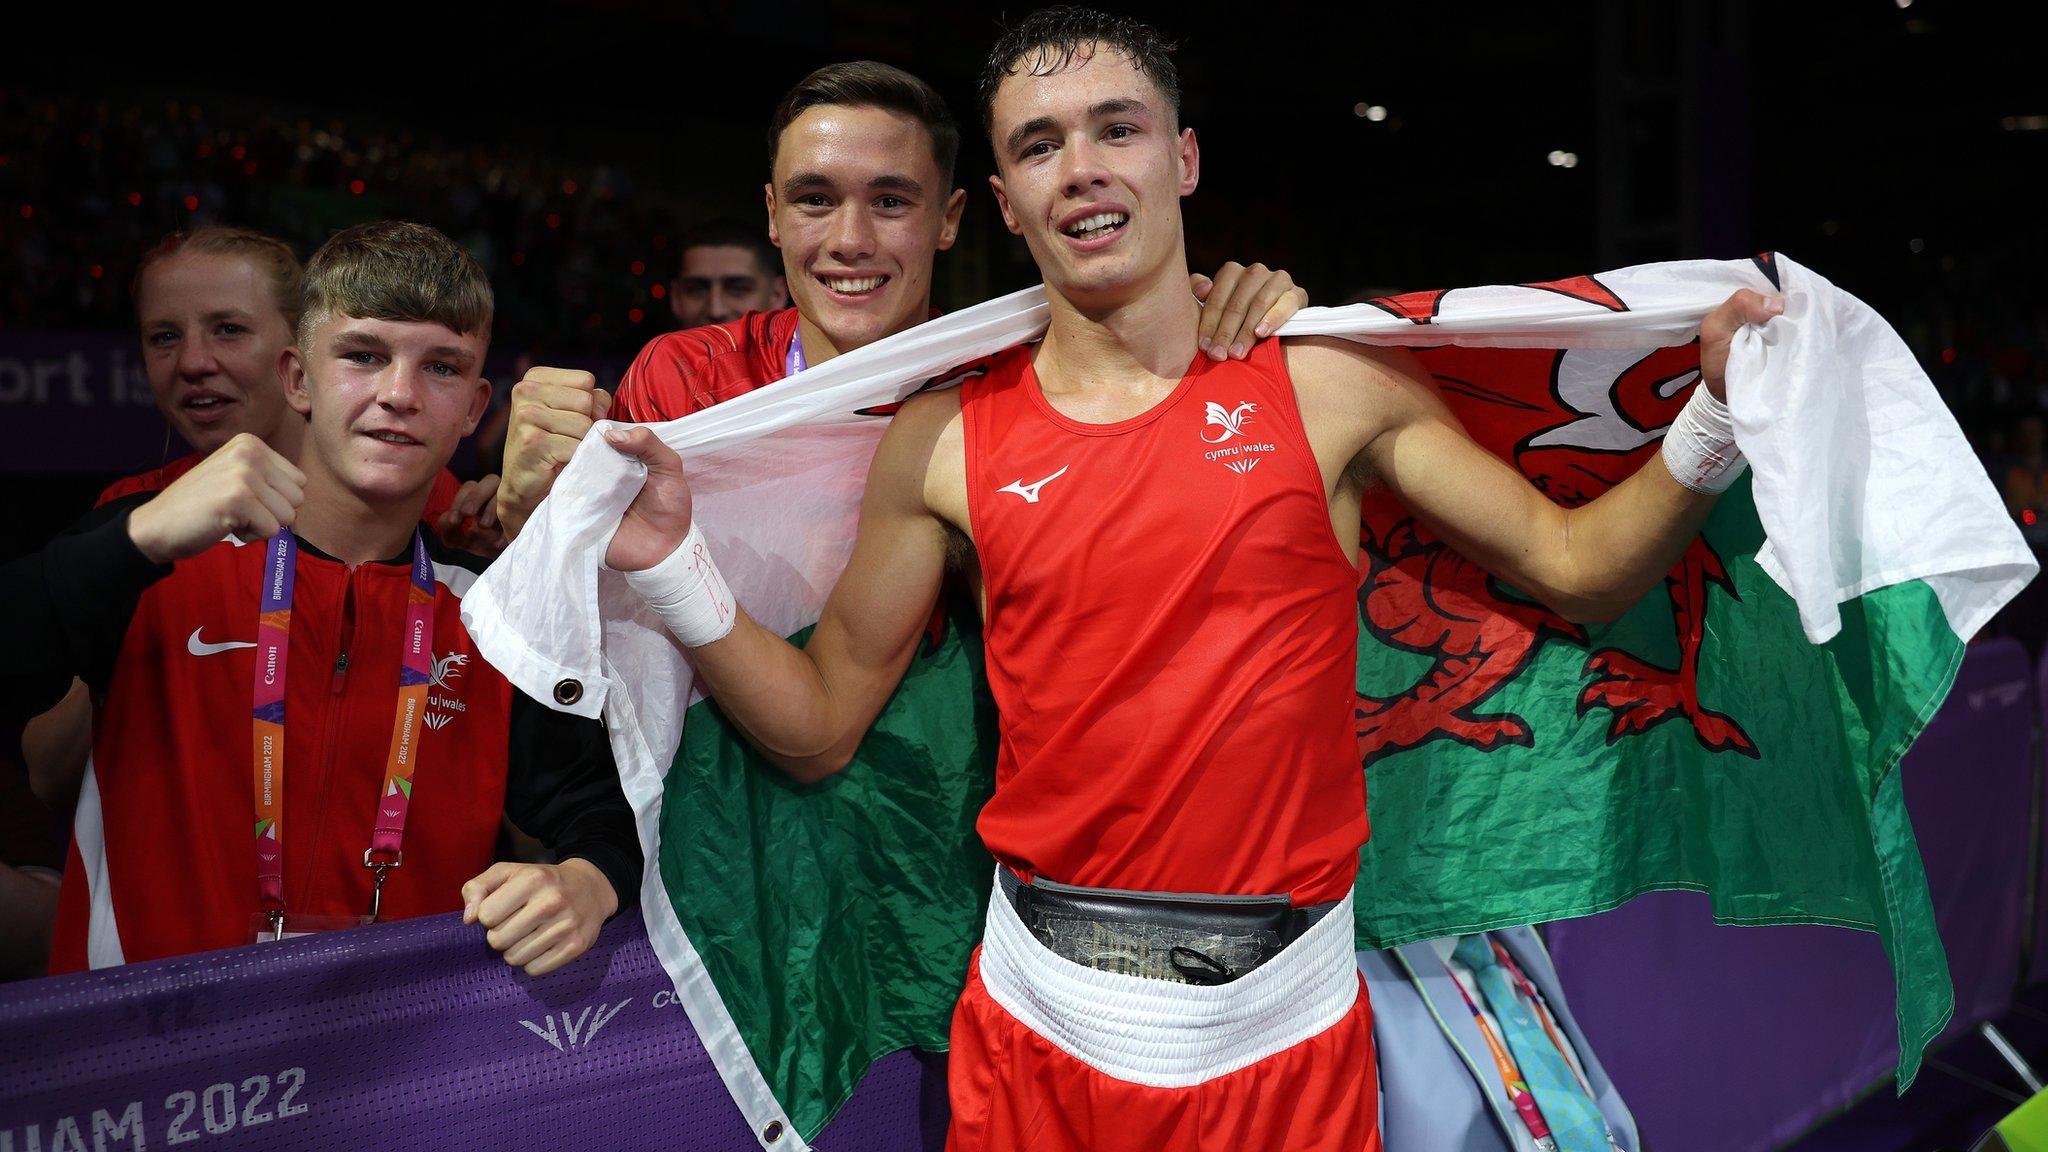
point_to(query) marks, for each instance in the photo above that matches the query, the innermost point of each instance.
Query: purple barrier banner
(1734, 1039)
(79, 402)
(405, 1035)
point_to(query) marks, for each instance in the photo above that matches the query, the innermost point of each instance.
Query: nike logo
(1030, 491)
(198, 647)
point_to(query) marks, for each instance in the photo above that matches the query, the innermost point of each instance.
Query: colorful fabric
(1569, 1115)
(273, 649)
(1737, 732)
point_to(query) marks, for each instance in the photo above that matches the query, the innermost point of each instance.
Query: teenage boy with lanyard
(384, 747)
(216, 308)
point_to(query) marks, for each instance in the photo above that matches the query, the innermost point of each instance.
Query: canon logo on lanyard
(273, 631)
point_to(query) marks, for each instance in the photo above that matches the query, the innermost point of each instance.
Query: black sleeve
(563, 789)
(67, 607)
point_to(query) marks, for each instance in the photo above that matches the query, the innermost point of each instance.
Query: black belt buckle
(1189, 937)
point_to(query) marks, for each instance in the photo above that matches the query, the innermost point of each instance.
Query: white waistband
(1162, 1033)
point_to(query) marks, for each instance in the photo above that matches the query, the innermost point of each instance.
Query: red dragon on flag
(1576, 423)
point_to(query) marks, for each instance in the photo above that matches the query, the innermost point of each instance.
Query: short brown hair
(871, 84)
(273, 257)
(392, 270)
(1049, 39)
(731, 234)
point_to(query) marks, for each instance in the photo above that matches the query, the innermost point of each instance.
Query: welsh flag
(1737, 733)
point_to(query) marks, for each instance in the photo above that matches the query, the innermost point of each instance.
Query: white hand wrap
(688, 593)
(1700, 446)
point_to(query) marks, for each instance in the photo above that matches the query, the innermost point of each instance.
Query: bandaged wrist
(1700, 446)
(688, 593)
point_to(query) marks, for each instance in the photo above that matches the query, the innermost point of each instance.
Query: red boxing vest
(1172, 633)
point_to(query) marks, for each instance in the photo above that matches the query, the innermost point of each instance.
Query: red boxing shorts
(1051, 1056)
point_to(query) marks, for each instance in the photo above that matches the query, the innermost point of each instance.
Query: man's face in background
(718, 283)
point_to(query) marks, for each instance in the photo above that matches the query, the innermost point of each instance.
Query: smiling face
(387, 401)
(859, 207)
(1091, 168)
(212, 332)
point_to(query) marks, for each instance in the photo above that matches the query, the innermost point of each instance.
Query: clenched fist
(659, 516)
(1718, 330)
(245, 490)
(540, 916)
(552, 410)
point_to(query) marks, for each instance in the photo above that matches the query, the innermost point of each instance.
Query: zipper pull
(348, 634)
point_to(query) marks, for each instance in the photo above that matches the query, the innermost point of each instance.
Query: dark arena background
(1897, 147)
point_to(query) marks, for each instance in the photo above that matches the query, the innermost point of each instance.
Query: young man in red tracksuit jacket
(325, 626)
(861, 202)
(215, 308)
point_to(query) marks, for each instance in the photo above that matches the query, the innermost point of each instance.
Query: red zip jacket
(682, 372)
(163, 858)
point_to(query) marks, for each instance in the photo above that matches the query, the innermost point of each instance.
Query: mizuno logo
(198, 647)
(1241, 467)
(438, 720)
(575, 1026)
(1232, 422)
(1030, 491)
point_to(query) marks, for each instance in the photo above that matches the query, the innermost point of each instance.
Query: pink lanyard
(273, 645)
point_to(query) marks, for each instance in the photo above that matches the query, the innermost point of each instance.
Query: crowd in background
(582, 256)
(579, 255)
(1983, 339)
